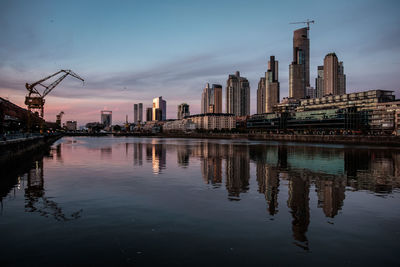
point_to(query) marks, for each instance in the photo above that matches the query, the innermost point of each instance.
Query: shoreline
(321, 139)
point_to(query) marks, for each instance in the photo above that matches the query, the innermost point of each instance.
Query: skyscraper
(138, 113)
(135, 113)
(271, 85)
(140, 118)
(334, 77)
(261, 96)
(159, 109)
(106, 118)
(149, 114)
(319, 82)
(211, 99)
(183, 110)
(299, 69)
(237, 95)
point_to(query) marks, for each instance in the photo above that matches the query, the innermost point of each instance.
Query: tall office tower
(299, 70)
(341, 79)
(319, 82)
(261, 96)
(183, 111)
(140, 118)
(135, 113)
(237, 95)
(106, 118)
(334, 77)
(149, 114)
(271, 85)
(161, 105)
(211, 99)
(310, 92)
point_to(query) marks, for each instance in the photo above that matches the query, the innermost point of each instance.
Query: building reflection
(237, 170)
(331, 194)
(157, 155)
(138, 154)
(183, 156)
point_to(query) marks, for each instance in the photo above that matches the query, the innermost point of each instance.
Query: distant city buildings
(271, 85)
(159, 109)
(212, 121)
(334, 78)
(138, 113)
(211, 99)
(237, 95)
(299, 69)
(106, 118)
(183, 111)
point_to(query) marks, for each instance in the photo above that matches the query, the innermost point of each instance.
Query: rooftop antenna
(304, 22)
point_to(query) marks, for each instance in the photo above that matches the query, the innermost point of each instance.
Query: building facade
(334, 77)
(271, 85)
(237, 95)
(261, 96)
(149, 114)
(159, 109)
(106, 118)
(212, 121)
(183, 111)
(299, 69)
(71, 125)
(319, 82)
(182, 125)
(211, 99)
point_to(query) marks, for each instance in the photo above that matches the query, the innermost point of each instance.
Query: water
(143, 201)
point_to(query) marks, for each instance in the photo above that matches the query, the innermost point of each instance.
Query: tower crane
(58, 118)
(35, 100)
(308, 22)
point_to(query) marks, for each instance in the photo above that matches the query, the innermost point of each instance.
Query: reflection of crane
(305, 22)
(35, 99)
(59, 117)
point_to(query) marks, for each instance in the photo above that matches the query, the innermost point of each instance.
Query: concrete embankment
(323, 139)
(14, 149)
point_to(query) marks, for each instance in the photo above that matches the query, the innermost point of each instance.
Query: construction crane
(58, 118)
(308, 22)
(35, 100)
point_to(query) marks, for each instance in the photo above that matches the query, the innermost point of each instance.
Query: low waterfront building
(385, 118)
(212, 121)
(71, 125)
(183, 125)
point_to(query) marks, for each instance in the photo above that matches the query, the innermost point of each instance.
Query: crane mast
(308, 22)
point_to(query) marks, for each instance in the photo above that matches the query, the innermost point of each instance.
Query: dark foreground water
(130, 201)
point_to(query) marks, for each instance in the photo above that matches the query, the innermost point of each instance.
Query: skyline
(175, 56)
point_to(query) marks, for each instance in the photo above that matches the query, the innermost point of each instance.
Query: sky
(132, 51)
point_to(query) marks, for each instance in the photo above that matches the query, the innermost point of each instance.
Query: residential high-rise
(261, 96)
(211, 99)
(106, 118)
(138, 113)
(334, 77)
(135, 113)
(299, 69)
(237, 95)
(319, 82)
(149, 114)
(271, 85)
(159, 109)
(140, 118)
(183, 110)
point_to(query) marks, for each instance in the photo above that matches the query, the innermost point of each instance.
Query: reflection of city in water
(304, 172)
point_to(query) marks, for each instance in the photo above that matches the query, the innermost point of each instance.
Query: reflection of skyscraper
(138, 154)
(298, 202)
(159, 157)
(268, 183)
(330, 195)
(237, 170)
(299, 69)
(183, 155)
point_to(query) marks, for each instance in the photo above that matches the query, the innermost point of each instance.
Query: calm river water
(142, 201)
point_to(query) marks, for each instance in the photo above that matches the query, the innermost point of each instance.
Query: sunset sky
(131, 51)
